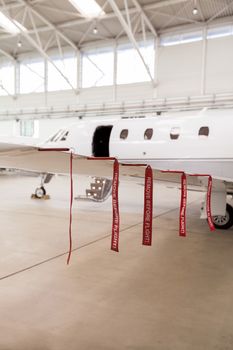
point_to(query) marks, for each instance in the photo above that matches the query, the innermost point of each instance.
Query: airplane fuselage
(190, 142)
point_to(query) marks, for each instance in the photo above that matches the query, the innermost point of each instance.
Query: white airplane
(196, 143)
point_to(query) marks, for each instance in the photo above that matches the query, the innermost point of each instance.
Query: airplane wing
(34, 159)
(54, 161)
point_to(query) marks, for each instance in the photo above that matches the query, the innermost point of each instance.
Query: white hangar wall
(183, 70)
(219, 67)
(42, 129)
(178, 72)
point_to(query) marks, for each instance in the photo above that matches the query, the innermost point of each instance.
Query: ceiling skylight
(10, 26)
(88, 8)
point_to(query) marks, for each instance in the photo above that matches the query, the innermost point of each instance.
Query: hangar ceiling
(57, 23)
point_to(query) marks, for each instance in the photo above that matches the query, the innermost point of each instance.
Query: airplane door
(100, 143)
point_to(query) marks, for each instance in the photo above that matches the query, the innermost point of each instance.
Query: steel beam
(107, 16)
(37, 45)
(176, 15)
(41, 51)
(111, 15)
(220, 12)
(49, 24)
(7, 55)
(145, 17)
(130, 35)
(172, 16)
(159, 4)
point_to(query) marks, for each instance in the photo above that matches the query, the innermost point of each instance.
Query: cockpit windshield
(60, 135)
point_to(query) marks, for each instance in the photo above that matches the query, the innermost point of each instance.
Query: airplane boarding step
(99, 191)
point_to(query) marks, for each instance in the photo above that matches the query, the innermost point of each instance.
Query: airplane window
(175, 133)
(148, 134)
(124, 134)
(204, 131)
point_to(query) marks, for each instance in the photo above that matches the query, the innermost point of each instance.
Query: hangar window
(148, 134)
(129, 65)
(204, 131)
(124, 134)
(32, 76)
(180, 38)
(7, 79)
(219, 32)
(68, 67)
(29, 128)
(175, 133)
(97, 67)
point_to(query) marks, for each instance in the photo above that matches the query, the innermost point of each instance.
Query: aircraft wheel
(224, 222)
(40, 192)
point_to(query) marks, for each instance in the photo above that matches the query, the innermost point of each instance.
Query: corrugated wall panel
(179, 70)
(219, 63)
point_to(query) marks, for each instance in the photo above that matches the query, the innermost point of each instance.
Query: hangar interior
(60, 64)
(135, 57)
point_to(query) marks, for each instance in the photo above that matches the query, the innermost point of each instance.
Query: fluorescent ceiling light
(95, 30)
(10, 26)
(88, 8)
(195, 11)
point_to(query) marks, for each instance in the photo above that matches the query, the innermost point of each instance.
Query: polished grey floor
(175, 295)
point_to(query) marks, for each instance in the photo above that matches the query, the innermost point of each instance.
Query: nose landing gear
(40, 192)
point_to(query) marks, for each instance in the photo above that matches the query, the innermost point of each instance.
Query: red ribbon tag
(115, 208)
(148, 207)
(71, 205)
(183, 205)
(208, 204)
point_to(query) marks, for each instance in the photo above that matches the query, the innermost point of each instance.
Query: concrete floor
(175, 295)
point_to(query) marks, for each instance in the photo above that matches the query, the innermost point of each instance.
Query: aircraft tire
(40, 192)
(224, 222)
